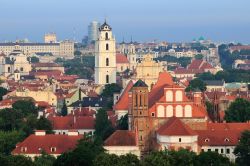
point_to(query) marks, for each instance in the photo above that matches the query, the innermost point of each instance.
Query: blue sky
(145, 20)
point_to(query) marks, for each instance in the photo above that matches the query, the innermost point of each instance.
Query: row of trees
(184, 61)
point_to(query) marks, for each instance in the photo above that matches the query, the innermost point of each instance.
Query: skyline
(173, 21)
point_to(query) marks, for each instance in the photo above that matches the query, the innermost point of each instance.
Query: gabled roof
(121, 58)
(175, 127)
(122, 103)
(140, 83)
(121, 138)
(34, 144)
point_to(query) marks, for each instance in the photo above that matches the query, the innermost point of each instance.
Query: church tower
(138, 115)
(105, 56)
(131, 56)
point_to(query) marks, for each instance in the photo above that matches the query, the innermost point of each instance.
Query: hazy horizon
(173, 21)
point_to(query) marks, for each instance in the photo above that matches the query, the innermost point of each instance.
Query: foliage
(105, 159)
(238, 111)
(158, 158)
(44, 124)
(210, 109)
(84, 154)
(123, 123)
(184, 61)
(198, 56)
(64, 110)
(44, 160)
(15, 161)
(10, 119)
(196, 84)
(242, 150)
(25, 106)
(34, 59)
(103, 126)
(82, 66)
(211, 158)
(108, 92)
(8, 141)
(3, 92)
(182, 157)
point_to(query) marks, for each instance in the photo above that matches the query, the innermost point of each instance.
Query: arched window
(107, 47)
(188, 111)
(107, 61)
(169, 111)
(106, 36)
(107, 79)
(178, 95)
(160, 111)
(179, 111)
(169, 95)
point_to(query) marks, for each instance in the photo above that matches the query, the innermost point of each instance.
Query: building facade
(63, 49)
(105, 56)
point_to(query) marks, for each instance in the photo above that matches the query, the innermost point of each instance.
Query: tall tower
(131, 56)
(105, 56)
(138, 115)
(93, 31)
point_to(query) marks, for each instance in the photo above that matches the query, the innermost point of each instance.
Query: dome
(105, 27)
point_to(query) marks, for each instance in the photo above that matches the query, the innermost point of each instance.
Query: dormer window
(23, 149)
(226, 140)
(206, 140)
(53, 149)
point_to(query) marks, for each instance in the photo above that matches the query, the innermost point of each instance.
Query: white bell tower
(105, 56)
(131, 56)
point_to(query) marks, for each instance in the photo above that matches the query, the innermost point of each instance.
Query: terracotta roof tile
(121, 58)
(121, 138)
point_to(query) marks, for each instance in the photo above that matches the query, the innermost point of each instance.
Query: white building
(105, 56)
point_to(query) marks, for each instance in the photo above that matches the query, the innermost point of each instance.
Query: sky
(144, 20)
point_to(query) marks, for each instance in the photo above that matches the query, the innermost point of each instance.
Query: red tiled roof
(72, 122)
(174, 127)
(48, 73)
(199, 64)
(123, 102)
(228, 126)
(35, 144)
(121, 138)
(246, 47)
(218, 137)
(121, 58)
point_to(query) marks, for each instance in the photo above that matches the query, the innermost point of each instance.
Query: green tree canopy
(196, 84)
(34, 59)
(158, 158)
(123, 123)
(44, 160)
(25, 106)
(242, 150)
(84, 154)
(103, 126)
(198, 56)
(64, 110)
(211, 158)
(238, 111)
(3, 92)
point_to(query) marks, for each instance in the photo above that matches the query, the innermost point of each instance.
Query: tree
(211, 158)
(84, 154)
(196, 84)
(198, 56)
(108, 92)
(123, 123)
(34, 59)
(10, 119)
(103, 126)
(3, 92)
(25, 106)
(182, 157)
(44, 124)
(238, 111)
(20, 161)
(44, 160)
(64, 110)
(105, 159)
(158, 158)
(242, 150)
(8, 141)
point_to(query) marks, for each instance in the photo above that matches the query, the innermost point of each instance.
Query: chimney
(40, 132)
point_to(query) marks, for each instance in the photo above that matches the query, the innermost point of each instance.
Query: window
(153, 114)
(107, 47)
(21, 69)
(216, 150)
(141, 137)
(179, 139)
(106, 36)
(23, 149)
(140, 101)
(136, 100)
(206, 140)
(202, 150)
(226, 140)
(107, 61)
(209, 150)
(53, 149)
(107, 79)
(228, 151)
(222, 151)
(8, 69)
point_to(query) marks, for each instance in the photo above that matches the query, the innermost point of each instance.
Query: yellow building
(148, 70)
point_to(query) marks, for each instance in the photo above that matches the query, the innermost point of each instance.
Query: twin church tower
(105, 56)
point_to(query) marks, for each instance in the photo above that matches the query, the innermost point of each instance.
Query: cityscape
(106, 96)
